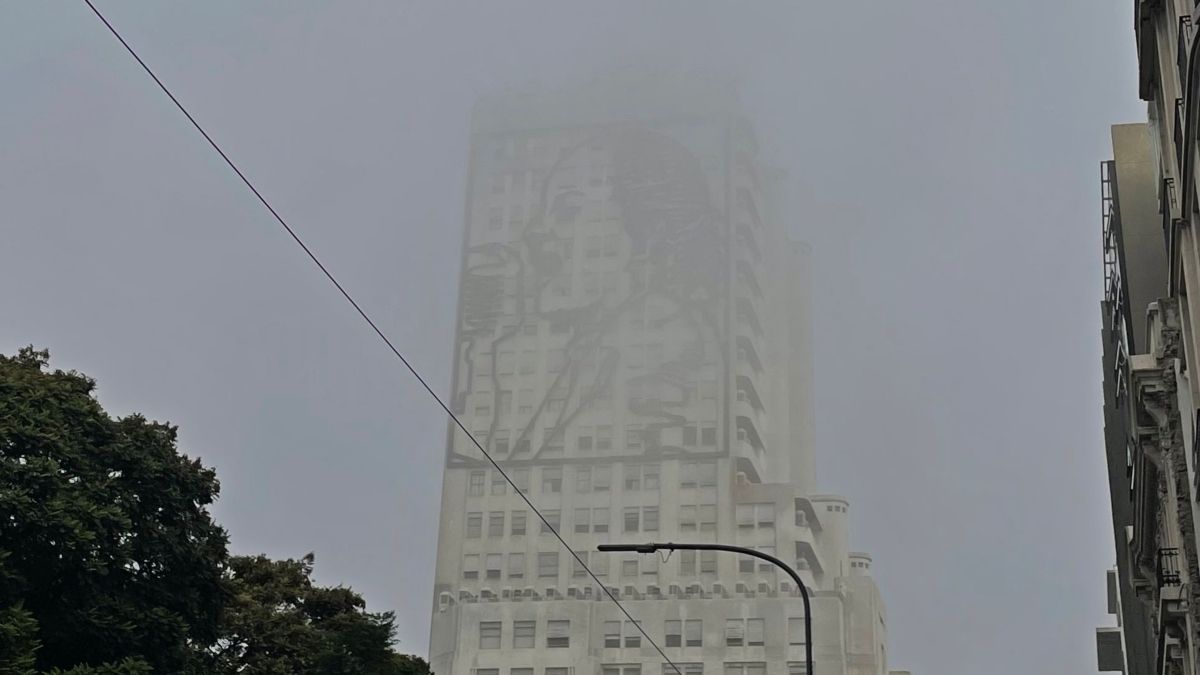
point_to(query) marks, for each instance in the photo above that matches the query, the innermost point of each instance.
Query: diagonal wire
(370, 322)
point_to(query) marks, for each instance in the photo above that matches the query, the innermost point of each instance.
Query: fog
(941, 163)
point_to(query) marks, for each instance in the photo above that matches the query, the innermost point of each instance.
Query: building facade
(1151, 263)
(633, 349)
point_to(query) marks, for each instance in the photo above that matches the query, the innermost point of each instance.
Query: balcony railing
(1179, 139)
(1182, 45)
(1168, 571)
(1114, 285)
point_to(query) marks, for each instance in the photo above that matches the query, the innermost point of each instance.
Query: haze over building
(633, 347)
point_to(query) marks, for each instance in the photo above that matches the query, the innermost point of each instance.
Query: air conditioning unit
(574, 592)
(445, 600)
(632, 592)
(654, 591)
(532, 594)
(786, 587)
(764, 588)
(486, 594)
(675, 590)
(741, 588)
(694, 591)
(507, 593)
(614, 592)
(553, 594)
(465, 596)
(742, 478)
(718, 589)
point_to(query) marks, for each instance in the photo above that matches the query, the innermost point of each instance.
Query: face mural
(598, 326)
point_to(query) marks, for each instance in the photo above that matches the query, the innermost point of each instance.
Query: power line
(370, 322)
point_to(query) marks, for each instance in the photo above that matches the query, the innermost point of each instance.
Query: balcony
(748, 355)
(1180, 141)
(1167, 571)
(1183, 45)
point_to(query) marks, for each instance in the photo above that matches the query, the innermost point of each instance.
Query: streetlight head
(635, 548)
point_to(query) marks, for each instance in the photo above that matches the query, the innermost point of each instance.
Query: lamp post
(652, 548)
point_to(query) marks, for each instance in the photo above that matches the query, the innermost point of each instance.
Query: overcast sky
(944, 159)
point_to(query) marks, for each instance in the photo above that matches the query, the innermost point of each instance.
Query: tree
(110, 563)
(278, 621)
(109, 558)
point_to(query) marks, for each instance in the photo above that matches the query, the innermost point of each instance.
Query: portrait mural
(616, 284)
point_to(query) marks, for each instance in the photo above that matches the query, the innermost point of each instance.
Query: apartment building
(1151, 262)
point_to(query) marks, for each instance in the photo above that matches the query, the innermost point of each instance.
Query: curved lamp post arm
(654, 547)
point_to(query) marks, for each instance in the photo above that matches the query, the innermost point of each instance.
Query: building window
(499, 485)
(471, 566)
(496, 524)
(604, 437)
(693, 633)
(485, 671)
(492, 565)
(744, 632)
(650, 519)
(583, 480)
(708, 562)
(633, 477)
(633, 634)
(552, 479)
(557, 670)
(474, 525)
(520, 671)
(746, 563)
(552, 521)
(612, 634)
(699, 474)
(629, 567)
(745, 669)
(558, 632)
(707, 514)
(520, 478)
(518, 522)
(687, 563)
(578, 562)
(584, 440)
(523, 634)
(632, 518)
(751, 516)
(755, 632)
(674, 633)
(548, 564)
(583, 521)
(602, 478)
(633, 437)
(600, 520)
(683, 669)
(516, 565)
(795, 630)
(489, 635)
(475, 484)
(630, 669)
(797, 668)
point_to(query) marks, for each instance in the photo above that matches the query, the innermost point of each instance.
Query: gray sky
(944, 159)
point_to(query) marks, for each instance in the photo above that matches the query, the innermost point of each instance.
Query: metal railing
(1114, 283)
(1168, 571)
(1182, 45)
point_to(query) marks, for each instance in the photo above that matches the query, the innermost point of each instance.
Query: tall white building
(633, 347)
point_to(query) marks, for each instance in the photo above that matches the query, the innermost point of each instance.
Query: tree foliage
(110, 563)
(105, 536)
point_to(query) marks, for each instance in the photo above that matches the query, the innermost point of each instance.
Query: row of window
(588, 439)
(691, 563)
(692, 518)
(739, 632)
(700, 474)
(729, 668)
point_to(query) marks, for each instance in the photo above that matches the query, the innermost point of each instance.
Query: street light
(652, 548)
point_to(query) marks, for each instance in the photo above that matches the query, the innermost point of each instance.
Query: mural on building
(621, 264)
